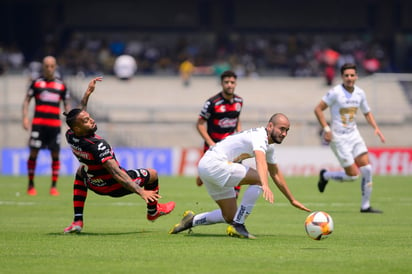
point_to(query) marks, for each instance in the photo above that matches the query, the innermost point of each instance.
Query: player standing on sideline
(220, 170)
(219, 116)
(345, 140)
(99, 170)
(48, 91)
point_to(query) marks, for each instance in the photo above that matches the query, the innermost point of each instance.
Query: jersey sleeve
(30, 89)
(329, 97)
(271, 155)
(66, 93)
(259, 139)
(102, 151)
(364, 107)
(206, 110)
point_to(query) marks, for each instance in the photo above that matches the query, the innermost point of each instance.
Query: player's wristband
(326, 129)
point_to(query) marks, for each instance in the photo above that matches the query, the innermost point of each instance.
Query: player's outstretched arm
(88, 92)
(123, 178)
(279, 180)
(371, 120)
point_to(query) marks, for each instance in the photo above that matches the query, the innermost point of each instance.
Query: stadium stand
(159, 111)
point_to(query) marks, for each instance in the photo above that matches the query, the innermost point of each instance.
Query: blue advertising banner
(14, 160)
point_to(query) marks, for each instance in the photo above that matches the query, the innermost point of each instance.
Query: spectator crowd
(301, 55)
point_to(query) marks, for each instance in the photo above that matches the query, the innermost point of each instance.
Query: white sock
(209, 218)
(366, 185)
(250, 197)
(339, 176)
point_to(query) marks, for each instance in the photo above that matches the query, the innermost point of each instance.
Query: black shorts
(140, 176)
(42, 137)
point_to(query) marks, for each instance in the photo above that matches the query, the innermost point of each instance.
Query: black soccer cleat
(238, 230)
(371, 210)
(184, 224)
(322, 182)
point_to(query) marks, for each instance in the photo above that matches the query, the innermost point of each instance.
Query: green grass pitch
(117, 238)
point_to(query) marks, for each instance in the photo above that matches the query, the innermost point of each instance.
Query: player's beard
(276, 139)
(93, 130)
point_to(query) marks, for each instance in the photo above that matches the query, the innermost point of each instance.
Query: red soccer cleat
(31, 191)
(162, 209)
(54, 191)
(75, 227)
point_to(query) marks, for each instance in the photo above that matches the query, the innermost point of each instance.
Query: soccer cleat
(185, 223)
(322, 182)
(238, 230)
(54, 191)
(162, 209)
(75, 227)
(31, 191)
(370, 210)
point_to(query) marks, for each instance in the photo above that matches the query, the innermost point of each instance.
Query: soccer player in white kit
(347, 144)
(220, 170)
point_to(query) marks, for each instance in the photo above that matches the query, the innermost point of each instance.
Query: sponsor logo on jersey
(97, 182)
(47, 96)
(227, 122)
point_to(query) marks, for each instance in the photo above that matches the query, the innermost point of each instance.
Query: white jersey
(241, 145)
(343, 107)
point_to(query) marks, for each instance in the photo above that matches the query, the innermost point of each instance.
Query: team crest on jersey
(238, 106)
(222, 108)
(143, 172)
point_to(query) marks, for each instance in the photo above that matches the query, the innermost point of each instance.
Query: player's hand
(26, 124)
(268, 194)
(297, 204)
(380, 135)
(92, 83)
(199, 182)
(150, 196)
(327, 136)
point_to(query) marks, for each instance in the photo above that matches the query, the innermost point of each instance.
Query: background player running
(347, 144)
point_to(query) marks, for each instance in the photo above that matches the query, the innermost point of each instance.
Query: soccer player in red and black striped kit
(100, 171)
(219, 116)
(48, 91)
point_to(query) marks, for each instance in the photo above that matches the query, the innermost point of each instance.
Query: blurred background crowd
(259, 38)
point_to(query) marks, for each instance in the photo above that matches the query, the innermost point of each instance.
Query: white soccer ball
(319, 225)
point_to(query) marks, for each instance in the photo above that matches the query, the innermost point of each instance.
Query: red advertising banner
(391, 161)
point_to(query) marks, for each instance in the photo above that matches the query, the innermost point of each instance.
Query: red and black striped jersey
(222, 115)
(48, 94)
(92, 151)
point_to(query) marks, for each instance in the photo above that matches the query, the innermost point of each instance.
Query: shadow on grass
(98, 233)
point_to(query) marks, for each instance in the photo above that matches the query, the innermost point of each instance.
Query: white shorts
(347, 147)
(219, 175)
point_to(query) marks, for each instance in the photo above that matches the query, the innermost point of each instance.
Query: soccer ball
(319, 225)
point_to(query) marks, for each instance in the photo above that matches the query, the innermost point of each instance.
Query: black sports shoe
(370, 210)
(185, 223)
(238, 230)
(322, 182)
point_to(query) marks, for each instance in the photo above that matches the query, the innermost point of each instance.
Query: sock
(339, 176)
(55, 171)
(152, 206)
(31, 167)
(250, 197)
(208, 218)
(79, 197)
(366, 185)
